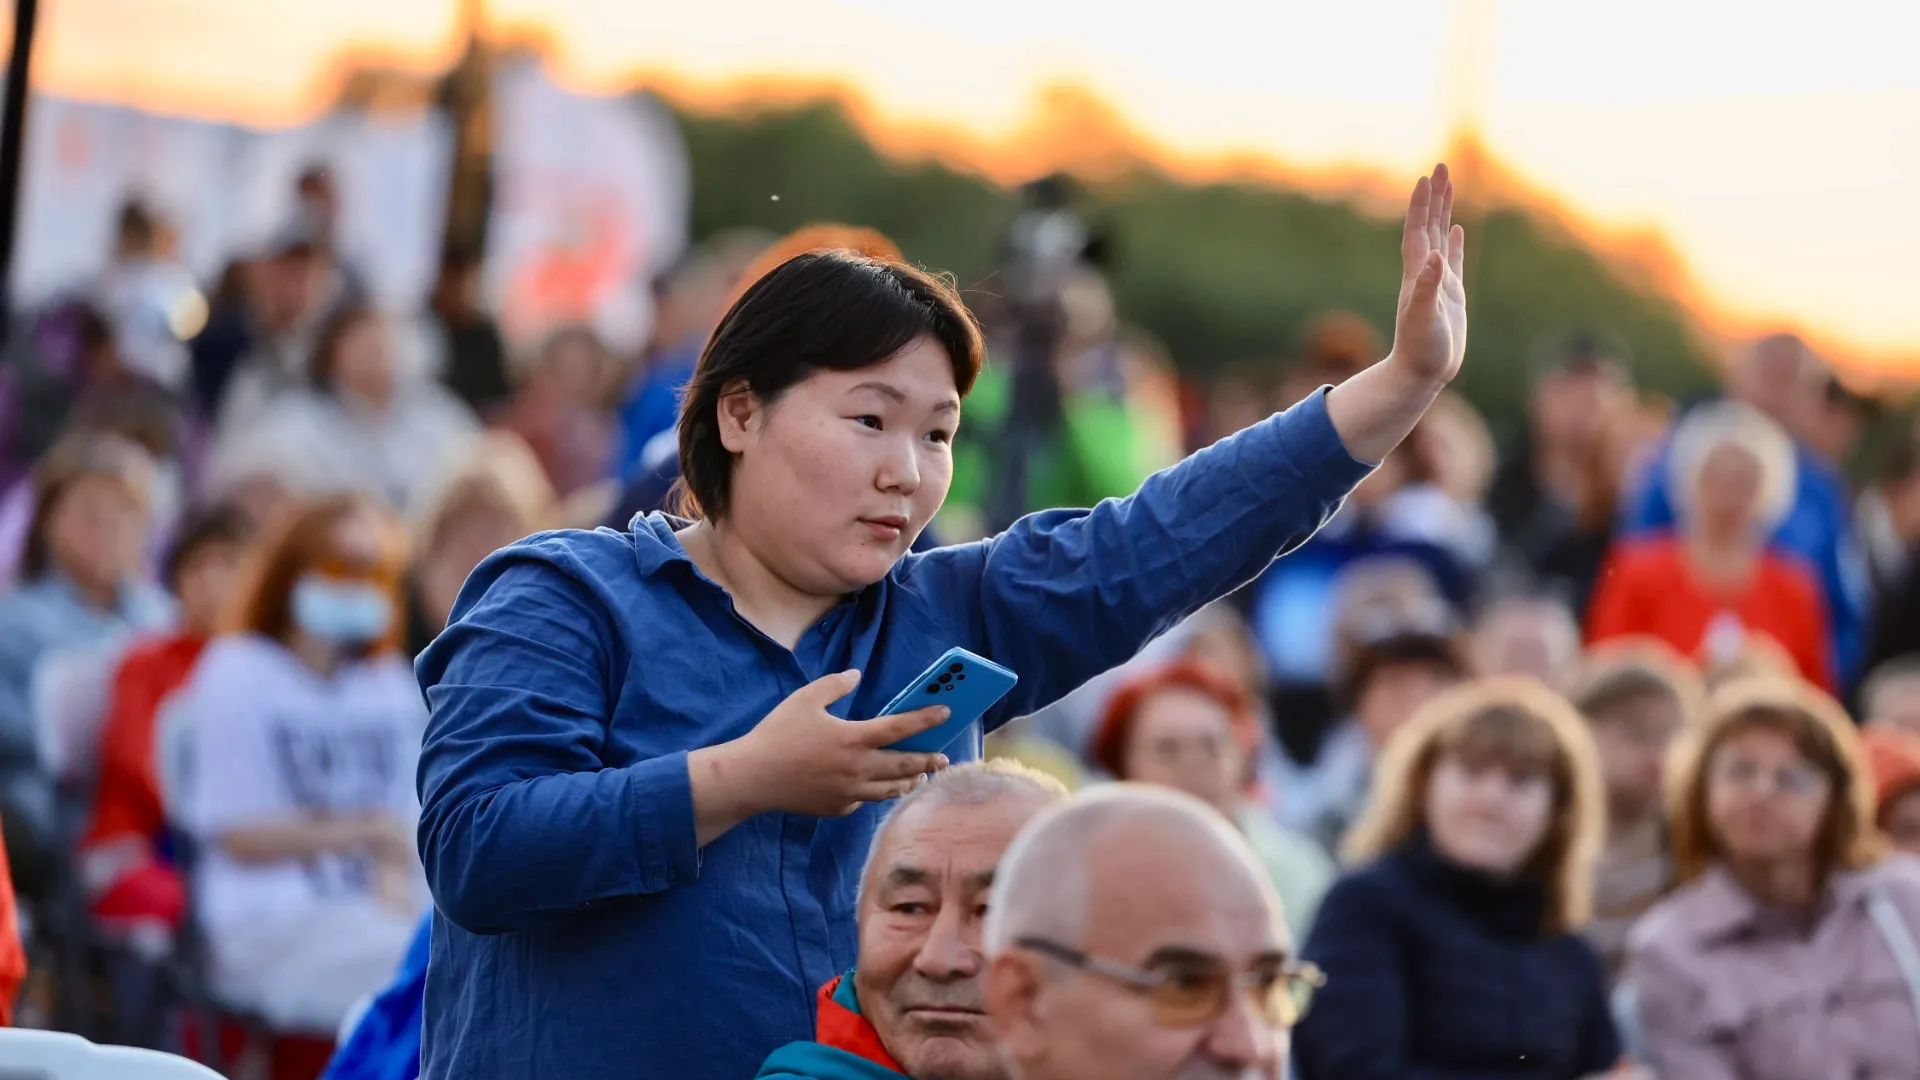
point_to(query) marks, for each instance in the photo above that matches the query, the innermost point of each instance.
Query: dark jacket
(1439, 973)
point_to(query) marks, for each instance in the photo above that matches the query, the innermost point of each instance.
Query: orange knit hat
(1894, 757)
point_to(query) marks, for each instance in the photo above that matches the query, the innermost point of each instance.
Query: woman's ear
(739, 413)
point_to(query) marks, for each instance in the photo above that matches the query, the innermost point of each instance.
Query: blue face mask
(340, 612)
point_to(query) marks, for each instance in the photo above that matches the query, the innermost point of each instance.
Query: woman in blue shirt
(644, 810)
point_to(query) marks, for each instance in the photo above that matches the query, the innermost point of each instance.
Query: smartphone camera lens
(956, 669)
(933, 688)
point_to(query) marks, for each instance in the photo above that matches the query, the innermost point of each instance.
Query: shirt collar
(655, 546)
(1724, 910)
(843, 1028)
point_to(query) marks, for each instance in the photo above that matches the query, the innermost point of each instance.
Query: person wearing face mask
(1788, 950)
(654, 761)
(303, 726)
(81, 585)
(1450, 952)
(359, 424)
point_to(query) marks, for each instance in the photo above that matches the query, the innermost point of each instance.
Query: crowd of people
(1591, 751)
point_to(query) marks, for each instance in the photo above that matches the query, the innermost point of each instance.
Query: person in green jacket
(912, 1006)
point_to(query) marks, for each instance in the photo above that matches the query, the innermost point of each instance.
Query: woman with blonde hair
(499, 495)
(1789, 949)
(1450, 951)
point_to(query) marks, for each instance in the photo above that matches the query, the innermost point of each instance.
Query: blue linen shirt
(580, 931)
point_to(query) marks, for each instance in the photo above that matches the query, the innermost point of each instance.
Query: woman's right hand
(801, 759)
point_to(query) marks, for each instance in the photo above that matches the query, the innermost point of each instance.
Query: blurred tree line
(1226, 275)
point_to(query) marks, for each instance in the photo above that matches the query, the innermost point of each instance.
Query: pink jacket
(1729, 990)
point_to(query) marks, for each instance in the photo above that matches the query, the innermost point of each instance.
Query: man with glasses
(912, 1006)
(1133, 936)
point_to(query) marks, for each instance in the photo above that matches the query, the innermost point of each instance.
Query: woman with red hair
(303, 726)
(1185, 727)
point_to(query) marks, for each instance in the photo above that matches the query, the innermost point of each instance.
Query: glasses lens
(1190, 996)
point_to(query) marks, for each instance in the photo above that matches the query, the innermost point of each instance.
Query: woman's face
(345, 599)
(1633, 738)
(363, 361)
(96, 532)
(834, 480)
(1765, 801)
(1485, 816)
(1183, 739)
(1726, 495)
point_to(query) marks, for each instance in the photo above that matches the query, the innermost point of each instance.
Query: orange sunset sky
(1772, 150)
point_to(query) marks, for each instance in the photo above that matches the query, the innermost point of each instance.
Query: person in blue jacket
(643, 807)
(385, 1042)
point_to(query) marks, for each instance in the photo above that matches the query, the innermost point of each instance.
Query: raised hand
(1430, 325)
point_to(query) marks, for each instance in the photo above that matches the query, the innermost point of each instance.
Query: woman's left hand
(1430, 324)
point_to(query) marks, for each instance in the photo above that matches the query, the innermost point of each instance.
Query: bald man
(912, 1006)
(1132, 935)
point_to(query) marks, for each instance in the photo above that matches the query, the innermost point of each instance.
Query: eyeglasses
(1188, 993)
(1800, 780)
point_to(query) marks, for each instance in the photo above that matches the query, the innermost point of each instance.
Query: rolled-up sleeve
(1067, 594)
(521, 819)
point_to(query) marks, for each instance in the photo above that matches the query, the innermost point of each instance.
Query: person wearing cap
(1185, 727)
(1402, 657)
(1893, 756)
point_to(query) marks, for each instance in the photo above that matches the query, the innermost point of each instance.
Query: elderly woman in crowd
(1451, 952)
(1788, 952)
(1184, 726)
(1714, 580)
(81, 585)
(304, 727)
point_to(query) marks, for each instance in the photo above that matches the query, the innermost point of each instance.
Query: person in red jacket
(1712, 583)
(129, 879)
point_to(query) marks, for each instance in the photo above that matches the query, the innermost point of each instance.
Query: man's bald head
(1131, 879)
(1083, 855)
(1776, 376)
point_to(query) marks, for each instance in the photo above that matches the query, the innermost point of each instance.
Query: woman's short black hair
(831, 310)
(204, 527)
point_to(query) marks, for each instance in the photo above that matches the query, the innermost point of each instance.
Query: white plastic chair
(56, 1055)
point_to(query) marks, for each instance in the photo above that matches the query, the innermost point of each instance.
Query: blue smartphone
(969, 685)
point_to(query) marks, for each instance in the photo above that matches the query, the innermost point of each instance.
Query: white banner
(591, 198)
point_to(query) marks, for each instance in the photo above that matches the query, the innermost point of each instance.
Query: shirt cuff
(1311, 445)
(662, 792)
